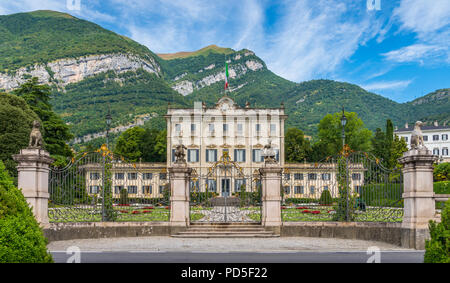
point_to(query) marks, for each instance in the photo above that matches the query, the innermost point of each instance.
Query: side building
(435, 138)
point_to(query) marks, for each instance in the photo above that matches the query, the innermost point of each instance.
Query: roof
(424, 128)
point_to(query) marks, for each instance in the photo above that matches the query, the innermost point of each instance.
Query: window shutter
(196, 154)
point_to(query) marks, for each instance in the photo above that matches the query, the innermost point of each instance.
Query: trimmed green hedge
(21, 238)
(437, 249)
(442, 187)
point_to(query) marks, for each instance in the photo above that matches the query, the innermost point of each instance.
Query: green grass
(372, 214)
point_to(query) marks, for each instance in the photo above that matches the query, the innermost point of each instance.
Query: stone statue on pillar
(417, 137)
(269, 153)
(35, 136)
(179, 153)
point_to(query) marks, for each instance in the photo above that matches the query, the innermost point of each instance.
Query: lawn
(325, 213)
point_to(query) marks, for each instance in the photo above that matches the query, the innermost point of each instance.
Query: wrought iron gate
(353, 186)
(225, 194)
(101, 186)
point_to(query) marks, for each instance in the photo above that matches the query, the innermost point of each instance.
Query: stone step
(224, 232)
(234, 235)
(226, 229)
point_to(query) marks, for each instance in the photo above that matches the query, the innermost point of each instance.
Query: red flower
(135, 212)
(148, 207)
(120, 204)
(167, 207)
(306, 211)
(146, 211)
(283, 207)
(302, 207)
(124, 211)
(315, 212)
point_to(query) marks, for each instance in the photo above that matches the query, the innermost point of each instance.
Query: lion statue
(417, 137)
(269, 153)
(179, 153)
(35, 136)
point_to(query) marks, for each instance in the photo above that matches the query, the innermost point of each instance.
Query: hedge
(21, 238)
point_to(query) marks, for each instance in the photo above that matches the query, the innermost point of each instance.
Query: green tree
(137, 144)
(21, 238)
(357, 137)
(55, 133)
(437, 249)
(379, 146)
(297, 147)
(16, 119)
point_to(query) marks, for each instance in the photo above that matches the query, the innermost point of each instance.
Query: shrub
(325, 197)
(442, 187)
(123, 197)
(437, 249)
(21, 238)
(442, 172)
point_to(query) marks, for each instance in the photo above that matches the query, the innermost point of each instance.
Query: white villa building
(227, 129)
(435, 138)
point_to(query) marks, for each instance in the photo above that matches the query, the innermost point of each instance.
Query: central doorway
(225, 194)
(226, 187)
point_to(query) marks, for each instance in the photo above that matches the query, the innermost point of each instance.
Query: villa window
(273, 129)
(225, 129)
(258, 129)
(312, 190)
(177, 129)
(211, 155)
(161, 189)
(240, 129)
(162, 176)
(435, 137)
(147, 176)
(298, 176)
(325, 188)
(95, 176)
(132, 189)
(444, 137)
(425, 138)
(147, 190)
(326, 176)
(94, 189)
(193, 185)
(193, 128)
(287, 190)
(356, 176)
(118, 189)
(132, 176)
(287, 176)
(211, 185)
(257, 155)
(239, 185)
(192, 155)
(299, 189)
(445, 151)
(436, 151)
(239, 155)
(211, 128)
(312, 176)
(119, 176)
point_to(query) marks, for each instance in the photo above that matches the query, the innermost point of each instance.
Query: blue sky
(400, 51)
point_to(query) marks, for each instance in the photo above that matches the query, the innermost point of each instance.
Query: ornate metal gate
(225, 194)
(353, 186)
(100, 186)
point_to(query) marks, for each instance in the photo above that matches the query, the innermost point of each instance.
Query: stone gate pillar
(418, 195)
(33, 170)
(271, 196)
(179, 195)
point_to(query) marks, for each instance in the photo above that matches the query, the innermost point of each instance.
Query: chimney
(406, 125)
(436, 123)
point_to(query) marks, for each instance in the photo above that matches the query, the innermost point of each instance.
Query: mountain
(93, 71)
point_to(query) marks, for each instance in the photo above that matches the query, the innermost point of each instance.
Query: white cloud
(416, 52)
(430, 21)
(316, 37)
(387, 85)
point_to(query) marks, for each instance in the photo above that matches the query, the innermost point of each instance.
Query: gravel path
(168, 244)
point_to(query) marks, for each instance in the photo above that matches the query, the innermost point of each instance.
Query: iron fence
(350, 187)
(101, 186)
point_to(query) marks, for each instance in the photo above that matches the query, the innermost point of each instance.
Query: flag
(226, 75)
